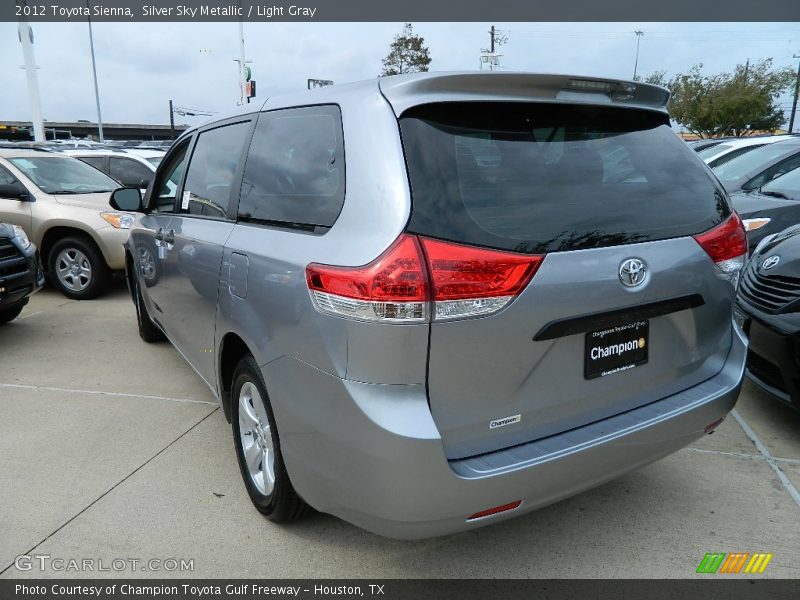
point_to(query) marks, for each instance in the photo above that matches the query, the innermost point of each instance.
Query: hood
(786, 246)
(96, 201)
(748, 203)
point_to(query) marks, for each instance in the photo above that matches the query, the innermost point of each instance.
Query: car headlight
(118, 220)
(21, 236)
(753, 224)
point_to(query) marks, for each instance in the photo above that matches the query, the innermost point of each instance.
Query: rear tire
(258, 447)
(77, 268)
(9, 314)
(148, 330)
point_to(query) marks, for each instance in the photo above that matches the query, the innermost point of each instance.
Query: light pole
(94, 73)
(639, 35)
(26, 39)
(796, 93)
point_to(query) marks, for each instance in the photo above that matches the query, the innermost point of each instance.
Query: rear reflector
(415, 274)
(712, 426)
(493, 511)
(726, 244)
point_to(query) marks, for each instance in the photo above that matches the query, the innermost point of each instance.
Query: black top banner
(401, 10)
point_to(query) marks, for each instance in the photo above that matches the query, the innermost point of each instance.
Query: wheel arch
(57, 232)
(231, 350)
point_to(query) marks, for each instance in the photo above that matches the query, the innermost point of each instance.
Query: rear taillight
(470, 282)
(726, 244)
(392, 288)
(418, 278)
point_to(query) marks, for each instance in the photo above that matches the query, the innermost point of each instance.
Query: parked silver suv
(432, 302)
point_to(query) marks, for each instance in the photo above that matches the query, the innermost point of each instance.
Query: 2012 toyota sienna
(432, 302)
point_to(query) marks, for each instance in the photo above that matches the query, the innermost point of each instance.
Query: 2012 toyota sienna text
(432, 302)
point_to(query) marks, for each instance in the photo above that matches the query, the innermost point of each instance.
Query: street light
(639, 35)
(94, 72)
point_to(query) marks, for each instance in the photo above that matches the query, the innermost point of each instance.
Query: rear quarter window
(295, 172)
(542, 177)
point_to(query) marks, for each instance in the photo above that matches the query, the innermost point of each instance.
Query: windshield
(62, 175)
(543, 178)
(787, 185)
(713, 150)
(154, 160)
(744, 164)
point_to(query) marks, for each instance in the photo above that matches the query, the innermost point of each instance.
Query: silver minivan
(431, 302)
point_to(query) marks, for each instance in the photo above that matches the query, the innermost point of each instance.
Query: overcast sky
(141, 66)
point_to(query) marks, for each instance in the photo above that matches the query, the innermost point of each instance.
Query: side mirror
(14, 191)
(127, 199)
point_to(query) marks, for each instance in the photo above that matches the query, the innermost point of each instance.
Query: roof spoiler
(405, 91)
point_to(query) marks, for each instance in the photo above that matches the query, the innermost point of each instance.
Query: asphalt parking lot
(112, 448)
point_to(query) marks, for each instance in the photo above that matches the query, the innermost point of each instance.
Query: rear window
(543, 177)
(713, 150)
(742, 165)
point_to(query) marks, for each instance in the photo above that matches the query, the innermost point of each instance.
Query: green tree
(734, 103)
(656, 78)
(407, 54)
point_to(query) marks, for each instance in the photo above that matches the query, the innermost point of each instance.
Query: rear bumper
(371, 454)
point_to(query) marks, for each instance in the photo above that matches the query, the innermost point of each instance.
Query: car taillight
(402, 284)
(392, 288)
(726, 244)
(470, 282)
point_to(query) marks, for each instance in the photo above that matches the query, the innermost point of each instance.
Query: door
(195, 238)
(150, 248)
(13, 211)
(568, 286)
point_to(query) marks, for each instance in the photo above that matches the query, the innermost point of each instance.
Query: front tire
(77, 268)
(258, 447)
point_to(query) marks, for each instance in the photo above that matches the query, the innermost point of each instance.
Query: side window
(169, 177)
(129, 172)
(295, 169)
(211, 170)
(6, 177)
(98, 162)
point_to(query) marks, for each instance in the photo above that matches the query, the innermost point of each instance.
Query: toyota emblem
(632, 272)
(770, 262)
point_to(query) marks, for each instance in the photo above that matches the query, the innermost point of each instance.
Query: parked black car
(771, 208)
(752, 170)
(20, 271)
(768, 305)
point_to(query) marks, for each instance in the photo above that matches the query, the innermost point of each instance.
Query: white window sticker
(185, 200)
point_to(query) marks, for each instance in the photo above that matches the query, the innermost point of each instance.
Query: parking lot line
(112, 488)
(28, 316)
(767, 457)
(21, 386)
(744, 456)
